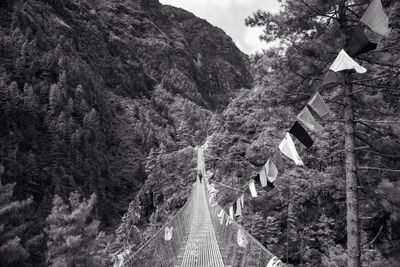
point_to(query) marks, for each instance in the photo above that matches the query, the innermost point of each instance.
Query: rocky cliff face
(89, 88)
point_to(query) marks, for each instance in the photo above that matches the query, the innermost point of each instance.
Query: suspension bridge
(197, 237)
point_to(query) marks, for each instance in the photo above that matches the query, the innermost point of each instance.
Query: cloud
(229, 15)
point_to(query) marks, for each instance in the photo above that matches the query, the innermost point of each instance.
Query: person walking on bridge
(200, 175)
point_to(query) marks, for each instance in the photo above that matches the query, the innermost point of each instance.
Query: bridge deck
(202, 248)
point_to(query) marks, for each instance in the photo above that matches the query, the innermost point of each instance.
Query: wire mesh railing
(252, 254)
(160, 250)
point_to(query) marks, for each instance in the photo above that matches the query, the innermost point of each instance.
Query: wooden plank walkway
(202, 248)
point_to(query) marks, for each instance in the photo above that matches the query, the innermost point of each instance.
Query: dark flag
(277, 159)
(331, 77)
(358, 42)
(301, 134)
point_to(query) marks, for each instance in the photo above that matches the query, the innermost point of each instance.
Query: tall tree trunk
(353, 221)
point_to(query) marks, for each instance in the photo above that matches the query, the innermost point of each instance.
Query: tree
(313, 32)
(71, 231)
(12, 252)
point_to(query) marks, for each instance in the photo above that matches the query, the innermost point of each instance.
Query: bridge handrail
(168, 222)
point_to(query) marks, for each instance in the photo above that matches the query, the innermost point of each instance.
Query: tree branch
(377, 169)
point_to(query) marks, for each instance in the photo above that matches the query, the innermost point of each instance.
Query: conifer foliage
(71, 230)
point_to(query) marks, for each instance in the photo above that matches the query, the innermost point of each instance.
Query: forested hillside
(88, 90)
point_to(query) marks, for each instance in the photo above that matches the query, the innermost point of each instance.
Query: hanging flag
(242, 200)
(221, 220)
(358, 42)
(231, 214)
(277, 159)
(308, 120)
(220, 213)
(376, 19)
(344, 62)
(271, 170)
(238, 208)
(288, 149)
(228, 221)
(301, 134)
(252, 188)
(241, 238)
(317, 103)
(263, 177)
(168, 233)
(331, 77)
(272, 262)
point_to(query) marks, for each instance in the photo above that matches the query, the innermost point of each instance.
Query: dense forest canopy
(103, 102)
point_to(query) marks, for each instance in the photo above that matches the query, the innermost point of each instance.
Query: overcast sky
(229, 15)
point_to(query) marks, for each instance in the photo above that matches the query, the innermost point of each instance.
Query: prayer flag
(242, 200)
(376, 19)
(221, 220)
(301, 134)
(277, 159)
(252, 188)
(220, 213)
(308, 120)
(272, 171)
(168, 233)
(288, 149)
(263, 177)
(228, 221)
(317, 103)
(358, 42)
(344, 62)
(238, 210)
(272, 262)
(231, 212)
(241, 238)
(331, 77)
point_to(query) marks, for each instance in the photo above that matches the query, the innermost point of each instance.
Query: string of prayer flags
(301, 134)
(344, 62)
(358, 42)
(331, 77)
(317, 103)
(376, 19)
(308, 120)
(288, 148)
(271, 170)
(241, 238)
(168, 233)
(252, 188)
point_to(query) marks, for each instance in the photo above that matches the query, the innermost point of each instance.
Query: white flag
(344, 62)
(241, 238)
(168, 233)
(231, 212)
(272, 261)
(221, 220)
(288, 149)
(252, 188)
(263, 177)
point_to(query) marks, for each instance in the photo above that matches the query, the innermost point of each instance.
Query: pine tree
(12, 253)
(71, 231)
